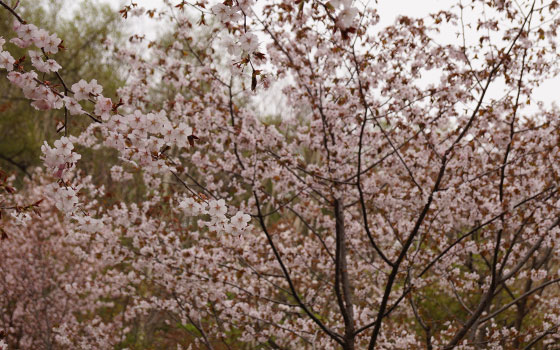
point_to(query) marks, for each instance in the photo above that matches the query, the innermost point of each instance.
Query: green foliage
(83, 28)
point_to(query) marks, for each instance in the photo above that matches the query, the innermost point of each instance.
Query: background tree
(23, 129)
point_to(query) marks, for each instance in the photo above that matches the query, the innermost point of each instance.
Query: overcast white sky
(388, 10)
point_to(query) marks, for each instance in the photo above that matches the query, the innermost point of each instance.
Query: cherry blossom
(61, 157)
(217, 208)
(73, 106)
(103, 107)
(240, 221)
(81, 90)
(346, 16)
(249, 42)
(6, 61)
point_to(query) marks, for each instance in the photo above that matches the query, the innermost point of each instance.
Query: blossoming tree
(379, 211)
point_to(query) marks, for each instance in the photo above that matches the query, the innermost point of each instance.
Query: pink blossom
(6, 61)
(249, 42)
(346, 17)
(52, 43)
(81, 90)
(239, 221)
(103, 107)
(73, 106)
(40, 37)
(20, 43)
(217, 208)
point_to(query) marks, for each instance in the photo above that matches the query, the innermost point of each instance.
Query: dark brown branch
(18, 165)
(336, 337)
(344, 296)
(521, 297)
(406, 246)
(423, 324)
(549, 331)
(2, 3)
(478, 227)
(232, 114)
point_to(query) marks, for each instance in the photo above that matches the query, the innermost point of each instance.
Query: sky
(388, 11)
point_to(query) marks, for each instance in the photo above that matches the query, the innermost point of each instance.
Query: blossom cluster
(60, 158)
(346, 14)
(129, 133)
(216, 210)
(6, 60)
(47, 66)
(29, 34)
(43, 97)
